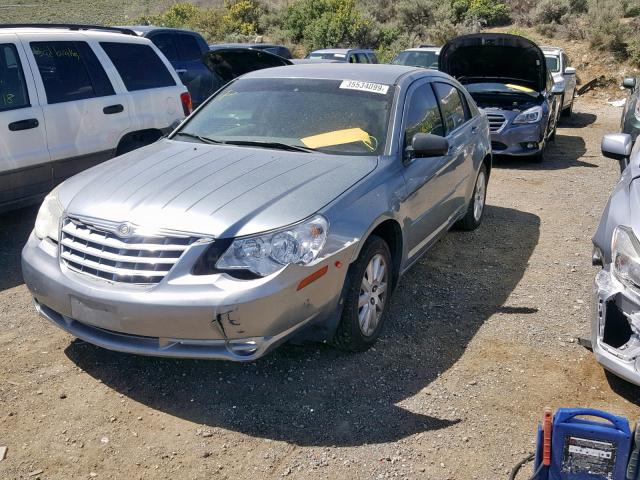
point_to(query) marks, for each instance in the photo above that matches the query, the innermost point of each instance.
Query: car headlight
(268, 253)
(531, 115)
(625, 257)
(48, 219)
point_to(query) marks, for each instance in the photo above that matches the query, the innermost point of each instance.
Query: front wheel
(366, 299)
(475, 210)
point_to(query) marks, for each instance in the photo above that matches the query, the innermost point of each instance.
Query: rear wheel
(568, 111)
(366, 298)
(475, 210)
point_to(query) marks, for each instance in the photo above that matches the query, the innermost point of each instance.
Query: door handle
(111, 109)
(181, 71)
(24, 124)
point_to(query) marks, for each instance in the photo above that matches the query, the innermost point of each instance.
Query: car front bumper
(512, 140)
(615, 327)
(189, 316)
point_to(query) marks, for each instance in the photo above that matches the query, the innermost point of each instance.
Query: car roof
(376, 73)
(144, 29)
(72, 31)
(244, 45)
(551, 50)
(423, 49)
(342, 50)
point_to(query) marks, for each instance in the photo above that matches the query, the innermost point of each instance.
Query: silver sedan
(287, 206)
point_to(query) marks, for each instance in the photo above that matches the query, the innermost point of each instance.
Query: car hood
(220, 191)
(500, 57)
(232, 62)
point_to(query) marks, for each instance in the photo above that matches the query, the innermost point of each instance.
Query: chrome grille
(97, 251)
(496, 121)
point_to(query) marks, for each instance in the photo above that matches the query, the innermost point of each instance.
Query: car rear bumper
(210, 316)
(615, 317)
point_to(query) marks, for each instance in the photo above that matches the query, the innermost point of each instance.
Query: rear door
(25, 172)
(84, 114)
(153, 87)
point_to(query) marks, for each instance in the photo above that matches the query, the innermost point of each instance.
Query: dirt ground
(480, 338)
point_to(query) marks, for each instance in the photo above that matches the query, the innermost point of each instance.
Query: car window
(138, 65)
(553, 63)
(70, 71)
(423, 114)
(453, 109)
(353, 58)
(362, 58)
(13, 89)
(299, 112)
(165, 43)
(188, 48)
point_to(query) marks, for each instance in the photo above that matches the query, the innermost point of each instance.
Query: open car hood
(494, 57)
(229, 63)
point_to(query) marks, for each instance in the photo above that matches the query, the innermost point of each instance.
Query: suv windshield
(426, 59)
(333, 116)
(553, 64)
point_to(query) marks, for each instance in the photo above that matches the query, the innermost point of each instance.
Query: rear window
(70, 71)
(188, 47)
(138, 65)
(13, 90)
(164, 42)
(451, 105)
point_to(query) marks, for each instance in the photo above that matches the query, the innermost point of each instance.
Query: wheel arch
(146, 136)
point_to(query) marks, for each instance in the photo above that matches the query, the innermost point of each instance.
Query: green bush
(551, 11)
(489, 12)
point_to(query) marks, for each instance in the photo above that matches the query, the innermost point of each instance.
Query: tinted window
(188, 48)
(13, 90)
(362, 58)
(454, 112)
(164, 42)
(138, 65)
(423, 115)
(70, 71)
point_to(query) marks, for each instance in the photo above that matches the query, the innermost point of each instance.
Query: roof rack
(69, 26)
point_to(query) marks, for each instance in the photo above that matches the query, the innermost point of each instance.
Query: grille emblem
(124, 229)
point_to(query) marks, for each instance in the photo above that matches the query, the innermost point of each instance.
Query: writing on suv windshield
(344, 117)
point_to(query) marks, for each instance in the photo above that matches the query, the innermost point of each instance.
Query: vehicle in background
(426, 57)
(507, 77)
(228, 64)
(615, 302)
(265, 215)
(279, 50)
(184, 49)
(73, 96)
(564, 75)
(348, 55)
(630, 120)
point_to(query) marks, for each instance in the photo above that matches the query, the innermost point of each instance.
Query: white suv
(75, 96)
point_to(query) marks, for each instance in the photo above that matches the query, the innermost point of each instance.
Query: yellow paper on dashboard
(339, 137)
(520, 88)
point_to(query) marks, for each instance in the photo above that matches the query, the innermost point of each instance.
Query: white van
(74, 96)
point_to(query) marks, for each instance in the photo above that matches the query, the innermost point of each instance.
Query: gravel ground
(481, 337)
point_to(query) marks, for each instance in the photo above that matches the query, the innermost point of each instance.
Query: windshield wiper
(276, 145)
(202, 139)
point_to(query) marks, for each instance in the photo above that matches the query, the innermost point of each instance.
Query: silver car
(615, 305)
(288, 205)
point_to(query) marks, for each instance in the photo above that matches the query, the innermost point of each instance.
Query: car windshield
(553, 64)
(496, 87)
(328, 56)
(344, 117)
(426, 59)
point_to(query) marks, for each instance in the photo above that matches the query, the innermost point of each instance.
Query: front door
(25, 172)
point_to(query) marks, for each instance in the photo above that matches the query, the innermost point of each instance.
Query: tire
(475, 211)
(357, 330)
(569, 111)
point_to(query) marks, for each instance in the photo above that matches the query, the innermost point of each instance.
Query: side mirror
(616, 145)
(629, 82)
(428, 145)
(558, 88)
(569, 71)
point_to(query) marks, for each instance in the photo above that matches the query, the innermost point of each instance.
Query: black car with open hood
(232, 62)
(507, 77)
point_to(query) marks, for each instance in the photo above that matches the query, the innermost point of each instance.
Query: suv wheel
(475, 210)
(366, 298)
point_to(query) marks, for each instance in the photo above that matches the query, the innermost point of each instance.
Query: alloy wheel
(479, 199)
(373, 294)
